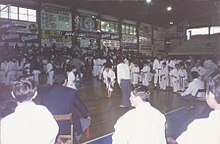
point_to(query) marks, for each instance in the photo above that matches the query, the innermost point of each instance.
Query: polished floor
(105, 111)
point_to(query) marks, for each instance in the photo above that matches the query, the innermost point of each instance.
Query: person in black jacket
(60, 99)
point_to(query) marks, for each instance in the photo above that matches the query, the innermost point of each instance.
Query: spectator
(30, 123)
(144, 124)
(207, 130)
(60, 99)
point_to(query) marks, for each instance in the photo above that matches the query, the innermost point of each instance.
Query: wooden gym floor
(105, 111)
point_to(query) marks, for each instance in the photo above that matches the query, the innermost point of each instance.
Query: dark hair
(194, 74)
(24, 88)
(60, 78)
(214, 86)
(142, 91)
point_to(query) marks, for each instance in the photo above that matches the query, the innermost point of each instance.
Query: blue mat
(177, 122)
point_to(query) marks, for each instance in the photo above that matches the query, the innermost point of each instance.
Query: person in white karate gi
(109, 79)
(131, 66)
(3, 71)
(174, 74)
(49, 72)
(135, 74)
(163, 76)
(182, 77)
(206, 130)
(145, 73)
(95, 67)
(156, 69)
(71, 77)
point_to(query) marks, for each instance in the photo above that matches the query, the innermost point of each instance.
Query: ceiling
(154, 13)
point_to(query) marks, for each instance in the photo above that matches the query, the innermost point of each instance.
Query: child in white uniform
(109, 79)
(145, 73)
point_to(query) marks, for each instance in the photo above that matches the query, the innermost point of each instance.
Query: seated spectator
(143, 124)
(190, 93)
(29, 123)
(60, 99)
(207, 130)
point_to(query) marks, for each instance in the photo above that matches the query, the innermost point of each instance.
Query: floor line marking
(175, 110)
(98, 138)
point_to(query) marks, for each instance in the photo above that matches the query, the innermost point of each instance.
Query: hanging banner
(11, 26)
(129, 42)
(19, 37)
(53, 18)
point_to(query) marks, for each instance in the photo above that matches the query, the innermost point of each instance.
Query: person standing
(145, 72)
(29, 123)
(71, 78)
(163, 76)
(142, 125)
(157, 68)
(124, 81)
(49, 72)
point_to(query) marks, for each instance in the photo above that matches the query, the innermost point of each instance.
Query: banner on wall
(61, 39)
(19, 37)
(128, 42)
(53, 18)
(11, 26)
(110, 36)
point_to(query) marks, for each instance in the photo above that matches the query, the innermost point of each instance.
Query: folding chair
(66, 117)
(201, 101)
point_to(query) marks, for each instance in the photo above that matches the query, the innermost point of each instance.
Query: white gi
(156, 67)
(95, 68)
(109, 79)
(71, 83)
(3, 69)
(141, 125)
(50, 73)
(10, 69)
(174, 74)
(202, 131)
(163, 78)
(145, 72)
(193, 87)
(135, 74)
(131, 67)
(182, 79)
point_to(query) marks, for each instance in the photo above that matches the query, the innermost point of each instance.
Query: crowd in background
(164, 71)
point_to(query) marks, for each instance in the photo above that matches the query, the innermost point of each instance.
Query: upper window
(197, 31)
(18, 13)
(214, 29)
(109, 26)
(128, 29)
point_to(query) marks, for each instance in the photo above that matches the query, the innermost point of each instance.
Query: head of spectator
(213, 92)
(139, 95)
(194, 74)
(60, 79)
(198, 62)
(24, 89)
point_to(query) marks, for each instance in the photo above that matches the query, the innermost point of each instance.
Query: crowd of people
(61, 69)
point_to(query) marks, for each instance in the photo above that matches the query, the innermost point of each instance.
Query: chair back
(66, 117)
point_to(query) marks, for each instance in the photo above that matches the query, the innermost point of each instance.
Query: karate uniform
(135, 74)
(50, 73)
(182, 79)
(145, 72)
(3, 72)
(109, 79)
(174, 73)
(157, 68)
(71, 83)
(95, 68)
(163, 78)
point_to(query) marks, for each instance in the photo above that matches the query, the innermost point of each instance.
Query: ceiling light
(171, 22)
(169, 8)
(148, 1)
